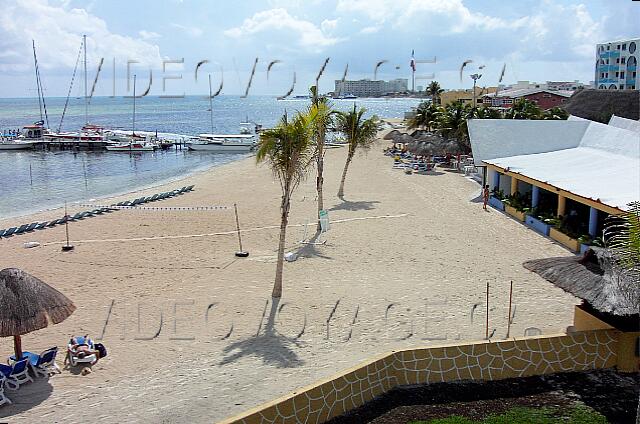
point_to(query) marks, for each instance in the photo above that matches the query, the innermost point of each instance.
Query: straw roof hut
(593, 278)
(28, 304)
(391, 135)
(599, 105)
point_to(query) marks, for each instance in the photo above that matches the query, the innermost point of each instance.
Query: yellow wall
(626, 349)
(483, 360)
(583, 321)
(466, 96)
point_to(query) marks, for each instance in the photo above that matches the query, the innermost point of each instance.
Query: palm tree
(425, 116)
(555, 113)
(434, 90)
(486, 113)
(323, 120)
(622, 237)
(358, 133)
(287, 149)
(523, 109)
(452, 123)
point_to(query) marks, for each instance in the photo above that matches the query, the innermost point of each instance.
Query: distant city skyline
(532, 37)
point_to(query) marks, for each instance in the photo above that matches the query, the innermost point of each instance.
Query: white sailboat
(225, 143)
(132, 143)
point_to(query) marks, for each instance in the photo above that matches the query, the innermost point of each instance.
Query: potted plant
(541, 221)
(587, 241)
(515, 206)
(566, 237)
(496, 200)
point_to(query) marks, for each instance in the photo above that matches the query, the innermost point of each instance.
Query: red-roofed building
(545, 99)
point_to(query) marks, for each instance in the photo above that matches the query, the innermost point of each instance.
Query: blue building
(616, 65)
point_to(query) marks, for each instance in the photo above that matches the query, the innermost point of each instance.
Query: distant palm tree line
(450, 121)
(294, 145)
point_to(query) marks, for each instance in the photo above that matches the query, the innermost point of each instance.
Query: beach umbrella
(405, 138)
(391, 135)
(28, 304)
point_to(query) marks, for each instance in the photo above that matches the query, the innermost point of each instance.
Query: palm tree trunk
(319, 179)
(284, 219)
(344, 175)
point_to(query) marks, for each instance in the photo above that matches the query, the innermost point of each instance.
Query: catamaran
(227, 143)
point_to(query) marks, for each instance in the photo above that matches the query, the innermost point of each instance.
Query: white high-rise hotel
(616, 65)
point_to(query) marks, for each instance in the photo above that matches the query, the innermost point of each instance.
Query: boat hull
(15, 146)
(224, 148)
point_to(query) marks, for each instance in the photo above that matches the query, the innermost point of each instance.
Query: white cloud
(191, 31)
(148, 35)
(307, 34)
(370, 29)
(57, 31)
(328, 25)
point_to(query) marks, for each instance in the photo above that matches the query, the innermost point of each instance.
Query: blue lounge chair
(16, 374)
(42, 364)
(9, 232)
(3, 398)
(2, 232)
(189, 188)
(41, 225)
(74, 357)
(77, 216)
(32, 226)
(21, 229)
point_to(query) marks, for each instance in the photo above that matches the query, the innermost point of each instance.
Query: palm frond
(622, 236)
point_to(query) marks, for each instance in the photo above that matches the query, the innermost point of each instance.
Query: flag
(413, 62)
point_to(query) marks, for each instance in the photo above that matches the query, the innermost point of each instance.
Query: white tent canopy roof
(586, 158)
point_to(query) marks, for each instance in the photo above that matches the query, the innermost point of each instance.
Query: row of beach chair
(14, 375)
(26, 228)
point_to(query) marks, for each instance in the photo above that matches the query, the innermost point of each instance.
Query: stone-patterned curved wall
(485, 360)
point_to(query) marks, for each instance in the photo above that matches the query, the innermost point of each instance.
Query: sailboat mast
(86, 97)
(133, 133)
(210, 104)
(35, 65)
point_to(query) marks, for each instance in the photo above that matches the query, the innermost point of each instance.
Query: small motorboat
(132, 146)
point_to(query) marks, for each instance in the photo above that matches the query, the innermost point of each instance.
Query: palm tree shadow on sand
(274, 348)
(309, 248)
(347, 205)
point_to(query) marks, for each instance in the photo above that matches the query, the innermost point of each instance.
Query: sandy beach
(187, 324)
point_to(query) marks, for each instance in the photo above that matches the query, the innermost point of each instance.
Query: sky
(536, 40)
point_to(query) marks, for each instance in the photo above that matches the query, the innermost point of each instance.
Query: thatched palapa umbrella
(593, 278)
(28, 304)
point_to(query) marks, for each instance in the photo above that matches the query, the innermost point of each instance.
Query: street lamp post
(475, 77)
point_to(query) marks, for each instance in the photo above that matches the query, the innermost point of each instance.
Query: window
(602, 87)
(508, 101)
(617, 60)
(617, 75)
(624, 46)
(618, 47)
(607, 61)
(601, 74)
(612, 87)
(621, 86)
(631, 61)
(632, 47)
(623, 60)
(606, 74)
(608, 48)
(622, 74)
(633, 74)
